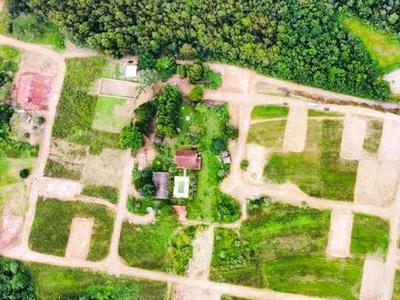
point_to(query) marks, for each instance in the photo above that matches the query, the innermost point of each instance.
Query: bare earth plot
(372, 280)
(59, 188)
(117, 88)
(190, 293)
(354, 131)
(257, 157)
(296, 128)
(340, 234)
(79, 238)
(232, 78)
(199, 265)
(390, 142)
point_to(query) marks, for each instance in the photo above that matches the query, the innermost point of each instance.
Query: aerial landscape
(199, 150)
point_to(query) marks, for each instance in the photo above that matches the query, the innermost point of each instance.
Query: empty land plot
(59, 188)
(60, 170)
(323, 113)
(389, 148)
(103, 192)
(51, 227)
(373, 136)
(296, 129)
(373, 278)
(54, 282)
(370, 235)
(269, 134)
(283, 248)
(79, 238)
(104, 169)
(190, 293)
(269, 111)
(257, 158)
(340, 234)
(118, 88)
(354, 131)
(376, 182)
(199, 265)
(396, 290)
(106, 117)
(318, 171)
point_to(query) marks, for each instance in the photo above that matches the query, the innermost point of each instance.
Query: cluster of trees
(169, 102)
(15, 281)
(200, 73)
(303, 41)
(143, 181)
(131, 137)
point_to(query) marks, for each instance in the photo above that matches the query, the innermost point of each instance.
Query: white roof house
(181, 187)
(130, 70)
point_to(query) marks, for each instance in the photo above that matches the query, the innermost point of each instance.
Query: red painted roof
(181, 211)
(187, 159)
(33, 91)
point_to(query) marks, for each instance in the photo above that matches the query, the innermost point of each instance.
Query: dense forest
(302, 41)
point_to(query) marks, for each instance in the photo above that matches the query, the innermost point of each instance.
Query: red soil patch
(33, 91)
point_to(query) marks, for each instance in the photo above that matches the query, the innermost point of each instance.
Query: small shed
(130, 70)
(181, 187)
(160, 180)
(225, 157)
(187, 159)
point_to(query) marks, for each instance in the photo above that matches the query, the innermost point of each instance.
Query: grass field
(50, 230)
(105, 119)
(269, 111)
(322, 113)
(370, 235)
(104, 192)
(30, 28)
(383, 48)
(55, 169)
(282, 247)
(374, 134)
(318, 170)
(269, 134)
(66, 283)
(396, 290)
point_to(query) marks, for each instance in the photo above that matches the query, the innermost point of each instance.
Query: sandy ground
(199, 265)
(376, 182)
(296, 128)
(394, 80)
(104, 169)
(59, 188)
(233, 79)
(79, 238)
(37, 63)
(188, 293)
(354, 131)
(372, 279)
(118, 88)
(389, 148)
(10, 227)
(257, 157)
(340, 234)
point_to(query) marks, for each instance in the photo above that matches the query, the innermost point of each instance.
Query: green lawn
(104, 192)
(282, 247)
(30, 28)
(51, 227)
(318, 170)
(322, 113)
(370, 235)
(396, 290)
(105, 119)
(55, 169)
(269, 134)
(384, 48)
(269, 111)
(66, 283)
(374, 134)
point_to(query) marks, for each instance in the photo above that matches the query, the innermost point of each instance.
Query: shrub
(244, 164)
(144, 116)
(143, 181)
(131, 137)
(146, 61)
(166, 66)
(182, 71)
(227, 209)
(15, 281)
(196, 94)
(169, 102)
(24, 173)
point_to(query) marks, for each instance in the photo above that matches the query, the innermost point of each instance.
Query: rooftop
(187, 159)
(160, 180)
(33, 91)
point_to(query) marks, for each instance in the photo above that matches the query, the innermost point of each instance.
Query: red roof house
(33, 91)
(187, 159)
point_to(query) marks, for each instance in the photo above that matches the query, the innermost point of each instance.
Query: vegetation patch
(53, 282)
(282, 247)
(383, 47)
(319, 171)
(370, 235)
(269, 134)
(181, 249)
(58, 170)
(323, 113)
(105, 118)
(15, 280)
(104, 192)
(269, 111)
(51, 227)
(374, 134)
(396, 290)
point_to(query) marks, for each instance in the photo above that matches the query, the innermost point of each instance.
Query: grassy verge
(384, 48)
(318, 170)
(52, 222)
(370, 235)
(181, 249)
(66, 283)
(396, 290)
(104, 192)
(105, 119)
(322, 113)
(55, 169)
(374, 134)
(269, 134)
(269, 111)
(282, 247)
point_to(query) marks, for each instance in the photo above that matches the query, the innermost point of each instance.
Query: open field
(269, 134)
(374, 134)
(269, 111)
(62, 283)
(282, 247)
(105, 118)
(102, 191)
(383, 48)
(51, 227)
(318, 170)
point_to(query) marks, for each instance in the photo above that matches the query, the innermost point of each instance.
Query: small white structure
(181, 187)
(130, 70)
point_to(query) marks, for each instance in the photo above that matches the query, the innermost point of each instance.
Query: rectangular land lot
(118, 88)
